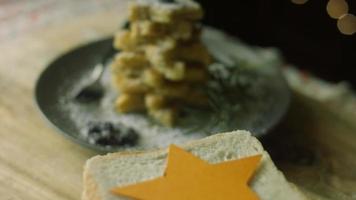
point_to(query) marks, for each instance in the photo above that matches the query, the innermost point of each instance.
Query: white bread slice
(102, 173)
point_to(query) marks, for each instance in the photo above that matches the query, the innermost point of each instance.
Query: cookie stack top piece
(163, 63)
(165, 11)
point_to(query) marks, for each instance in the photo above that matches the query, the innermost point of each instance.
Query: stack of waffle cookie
(162, 64)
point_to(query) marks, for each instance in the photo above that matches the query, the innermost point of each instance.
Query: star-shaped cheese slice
(187, 177)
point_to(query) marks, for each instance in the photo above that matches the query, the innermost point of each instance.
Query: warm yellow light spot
(299, 1)
(337, 8)
(347, 24)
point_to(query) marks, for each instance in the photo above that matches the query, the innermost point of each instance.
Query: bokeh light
(347, 24)
(337, 8)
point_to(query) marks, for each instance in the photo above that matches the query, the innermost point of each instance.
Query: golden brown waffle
(162, 64)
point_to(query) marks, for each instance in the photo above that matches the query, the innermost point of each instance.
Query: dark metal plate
(254, 101)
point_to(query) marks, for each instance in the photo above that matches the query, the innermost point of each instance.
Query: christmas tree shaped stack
(162, 64)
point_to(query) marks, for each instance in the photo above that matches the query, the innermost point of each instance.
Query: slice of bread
(102, 173)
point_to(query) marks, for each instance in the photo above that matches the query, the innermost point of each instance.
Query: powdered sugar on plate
(247, 91)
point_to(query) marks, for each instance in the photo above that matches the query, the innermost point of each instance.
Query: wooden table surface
(37, 163)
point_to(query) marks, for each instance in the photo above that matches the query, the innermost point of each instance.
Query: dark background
(306, 35)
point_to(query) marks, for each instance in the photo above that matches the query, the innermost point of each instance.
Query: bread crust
(91, 189)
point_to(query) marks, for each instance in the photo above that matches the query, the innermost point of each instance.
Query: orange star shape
(189, 178)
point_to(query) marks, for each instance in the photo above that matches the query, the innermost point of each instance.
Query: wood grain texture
(35, 162)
